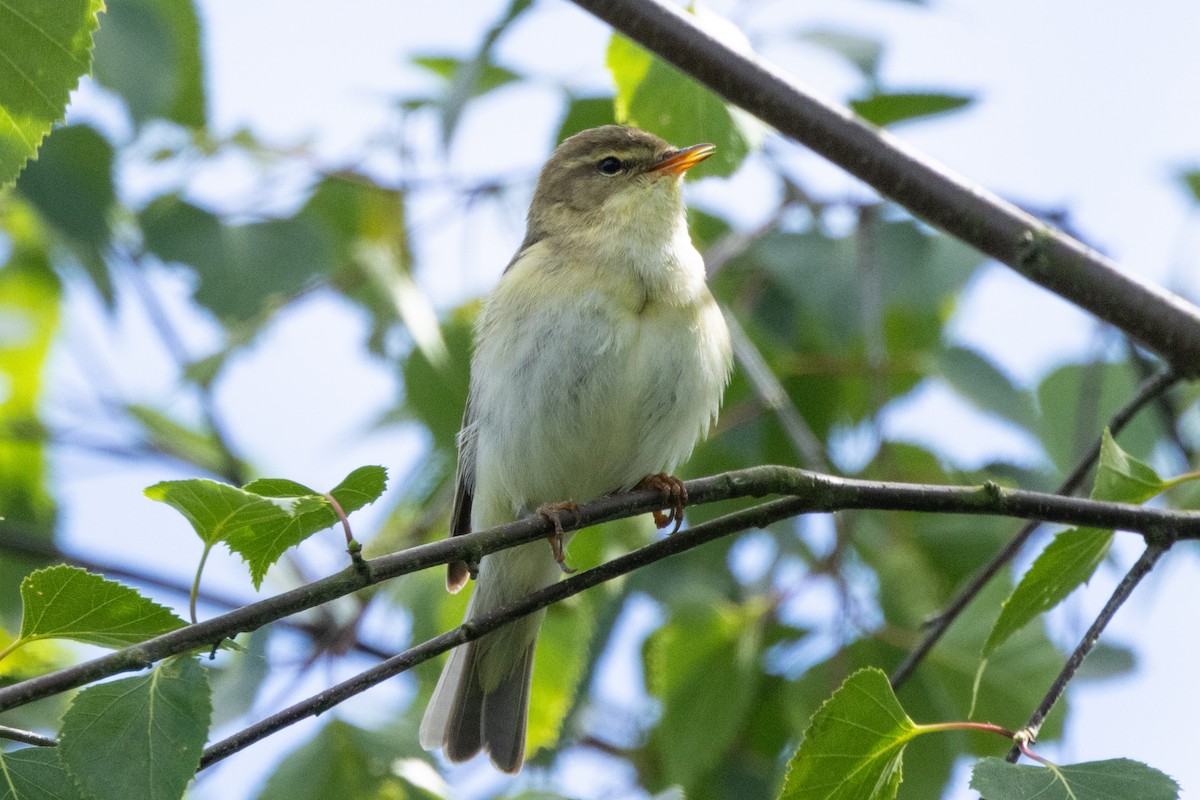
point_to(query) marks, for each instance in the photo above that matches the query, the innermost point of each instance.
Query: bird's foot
(674, 497)
(554, 513)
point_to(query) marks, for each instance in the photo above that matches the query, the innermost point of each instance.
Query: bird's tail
(481, 702)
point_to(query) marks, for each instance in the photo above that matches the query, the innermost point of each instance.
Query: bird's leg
(554, 513)
(674, 497)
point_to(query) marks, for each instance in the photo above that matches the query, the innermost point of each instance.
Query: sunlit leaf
(141, 736)
(854, 748)
(65, 602)
(262, 520)
(657, 97)
(1122, 478)
(44, 50)
(1067, 563)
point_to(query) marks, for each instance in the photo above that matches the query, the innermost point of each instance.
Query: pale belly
(589, 403)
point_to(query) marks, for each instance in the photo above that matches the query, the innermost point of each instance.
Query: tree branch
(1159, 319)
(812, 493)
(1153, 387)
(1124, 589)
(758, 516)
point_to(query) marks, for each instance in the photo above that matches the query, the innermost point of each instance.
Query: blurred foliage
(847, 303)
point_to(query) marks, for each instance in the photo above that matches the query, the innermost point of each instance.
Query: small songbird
(600, 360)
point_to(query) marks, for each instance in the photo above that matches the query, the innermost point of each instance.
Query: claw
(674, 497)
(553, 513)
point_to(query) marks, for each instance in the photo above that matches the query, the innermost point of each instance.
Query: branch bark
(811, 492)
(1162, 321)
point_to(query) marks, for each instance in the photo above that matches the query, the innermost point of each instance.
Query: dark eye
(609, 165)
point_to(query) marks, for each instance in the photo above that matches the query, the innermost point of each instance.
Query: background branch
(1159, 319)
(1152, 388)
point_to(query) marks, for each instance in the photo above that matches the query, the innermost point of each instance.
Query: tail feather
(505, 711)
(464, 719)
(481, 701)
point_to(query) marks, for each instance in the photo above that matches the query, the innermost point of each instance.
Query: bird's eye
(609, 165)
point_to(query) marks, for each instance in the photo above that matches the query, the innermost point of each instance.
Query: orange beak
(679, 161)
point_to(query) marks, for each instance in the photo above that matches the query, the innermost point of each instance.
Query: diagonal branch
(1153, 387)
(756, 517)
(1133, 577)
(812, 493)
(1045, 255)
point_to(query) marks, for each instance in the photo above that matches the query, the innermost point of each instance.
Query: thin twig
(26, 737)
(1124, 589)
(938, 625)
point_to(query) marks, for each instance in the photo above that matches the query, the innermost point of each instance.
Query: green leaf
(564, 642)
(475, 76)
(29, 319)
(487, 78)
(1191, 182)
(139, 737)
(1123, 478)
(861, 51)
(148, 51)
(996, 779)
(262, 520)
(242, 268)
(34, 773)
(1078, 400)
(44, 50)
(436, 394)
(854, 748)
(66, 602)
(372, 262)
(216, 510)
(71, 186)
(1067, 563)
(1071, 559)
(165, 435)
(885, 109)
(655, 96)
(704, 669)
(985, 386)
(583, 113)
(941, 689)
(341, 761)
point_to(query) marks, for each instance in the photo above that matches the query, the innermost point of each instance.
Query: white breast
(582, 384)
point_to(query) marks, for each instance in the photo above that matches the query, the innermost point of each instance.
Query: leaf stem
(196, 582)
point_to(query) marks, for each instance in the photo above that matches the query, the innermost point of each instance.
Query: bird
(600, 361)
